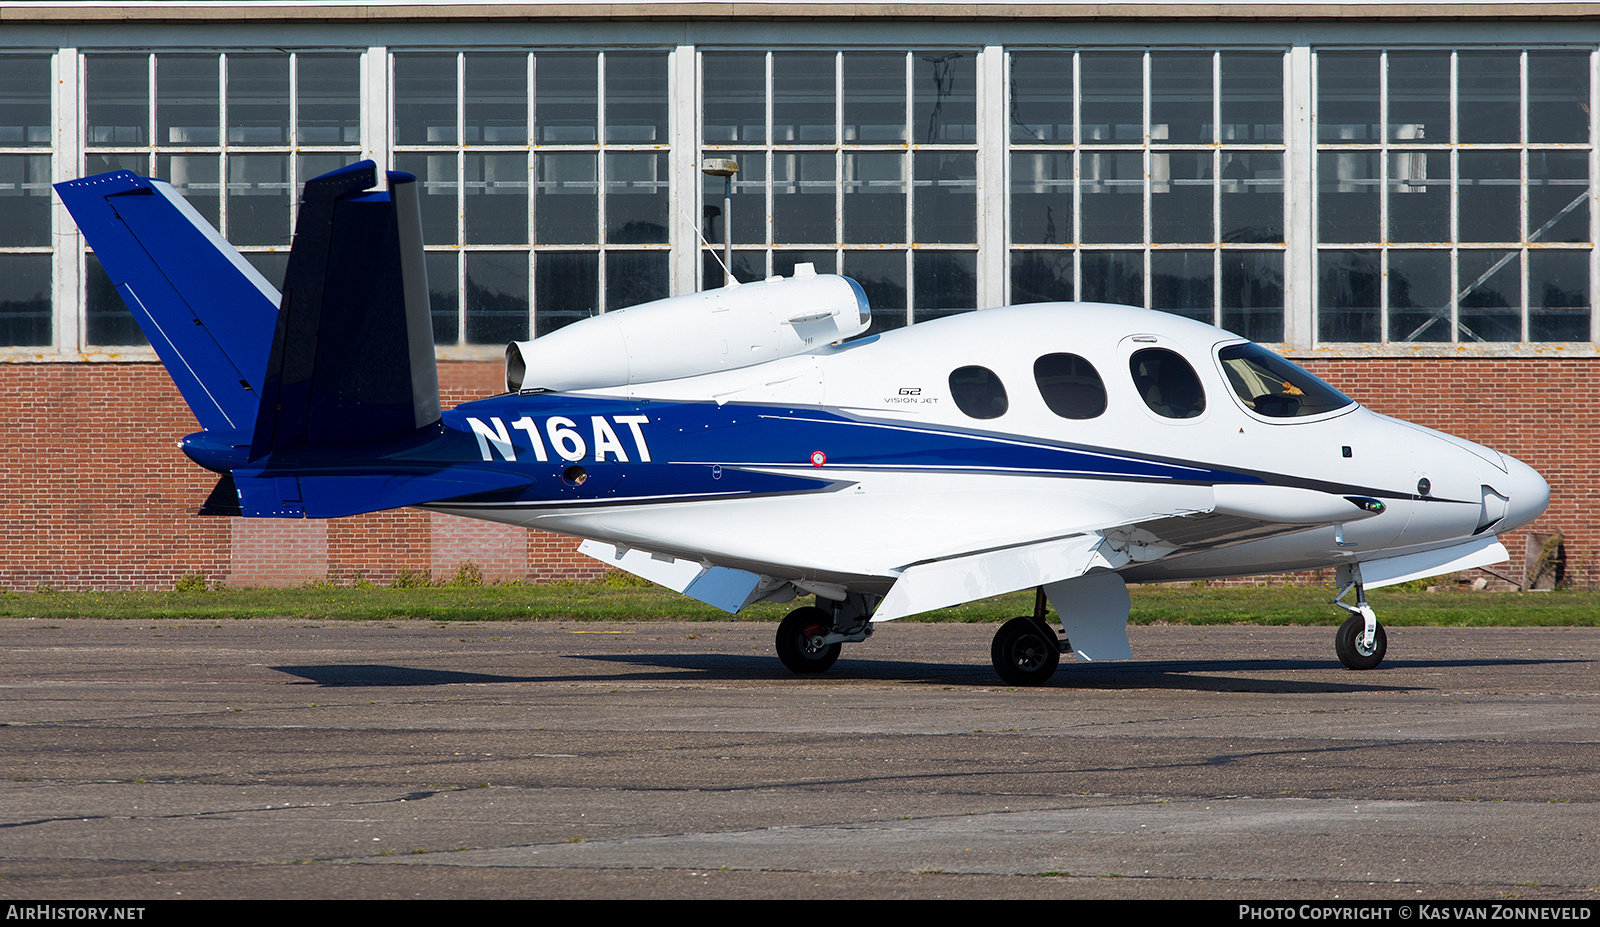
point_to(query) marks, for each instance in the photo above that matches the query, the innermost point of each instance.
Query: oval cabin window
(1070, 385)
(978, 392)
(1167, 384)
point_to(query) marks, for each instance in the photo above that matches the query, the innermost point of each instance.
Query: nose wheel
(1360, 641)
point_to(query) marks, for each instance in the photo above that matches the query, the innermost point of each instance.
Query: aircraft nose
(1527, 495)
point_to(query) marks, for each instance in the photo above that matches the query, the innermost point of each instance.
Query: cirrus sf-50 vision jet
(747, 444)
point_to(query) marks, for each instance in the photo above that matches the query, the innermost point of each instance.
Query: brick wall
(96, 494)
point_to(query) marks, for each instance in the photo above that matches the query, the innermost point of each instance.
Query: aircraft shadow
(1191, 675)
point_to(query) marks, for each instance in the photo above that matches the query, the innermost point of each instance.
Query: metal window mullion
(1594, 228)
(684, 136)
(991, 180)
(600, 180)
(1077, 176)
(1523, 224)
(377, 110)
(224, 196)
(908, 178)
(1383, 196)
(1147, 193)
(1216, 187)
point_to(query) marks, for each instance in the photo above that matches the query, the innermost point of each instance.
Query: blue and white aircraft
(743, 444)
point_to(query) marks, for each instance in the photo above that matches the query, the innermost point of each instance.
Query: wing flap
(718, 587)
(941, 583)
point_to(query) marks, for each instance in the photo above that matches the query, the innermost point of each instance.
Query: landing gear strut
(1360, 641)
(810, 638)
(1026, 650)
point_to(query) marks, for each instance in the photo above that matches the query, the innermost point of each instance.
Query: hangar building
(1399, 195)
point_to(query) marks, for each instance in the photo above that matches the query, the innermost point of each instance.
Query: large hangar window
(25, 246)
(1453, 195)
(1177, 204)
(859, 162)
(545, 179)
(235, 133)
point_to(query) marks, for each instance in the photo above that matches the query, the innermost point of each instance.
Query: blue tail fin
(208, 314)
(352, 354)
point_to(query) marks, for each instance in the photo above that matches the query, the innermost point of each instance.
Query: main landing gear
(1026, 650)
(810, 638)
(1360, 642)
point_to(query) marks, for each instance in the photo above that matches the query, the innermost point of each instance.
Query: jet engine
(682, 336)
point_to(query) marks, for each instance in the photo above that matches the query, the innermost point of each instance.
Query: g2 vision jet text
(735, 446)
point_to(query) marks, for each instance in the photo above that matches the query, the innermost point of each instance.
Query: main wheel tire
(798, 634)
(1023, 655)
(1347, 644)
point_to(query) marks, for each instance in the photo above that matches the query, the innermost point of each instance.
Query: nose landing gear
(1360, 641)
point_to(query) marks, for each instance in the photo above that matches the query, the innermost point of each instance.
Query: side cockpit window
(978, 392)
(1070, 385)
(1271, 386)
(1167, 384)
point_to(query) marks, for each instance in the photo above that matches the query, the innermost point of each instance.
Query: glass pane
(944, 98)
(1252, 294)
(1272, 386)
(105, 163)
(496, 199)
(117, 100)
(1167, 383)
(749, 199)
(258, 99)
(636, 98)
(1347, 195)
(977, 392)
(944, 281)
(1491, 296)
(1558, 295)
(1041, 98)
(1041, 197)
(437, 175)
(566, 99)
(1180, 196)
(198, 179)
(733, 97)
(1489, 97)
(874, 197)
(24, 102)
(1348, 296)
(1419, 295)
(636, 197)
(443, 296)
(106, 317)
(1419, 196)
(823, 262)
(330, 99)
(1041, 276)
(1252, 97)
(24, 201)
(259, 206)
(1252, 196)
(25, 311)
(425, 99)
(946, 197)
(1180, 98)
(1347, 97)
(1181, 283)
(497, 297)
(566, 208)
(1070, 386)
(634, 277)
(882, 275)
(1419, 97)
(1113, 277)
(1489, 196)
(187, 106)
(1558, 97)
(495, 99)
(566, 288)
(1113, 196)
(270, 264)
(1113, 97)
(1558, 196)
(748, 265)
(802, 199)
(874, 97)
(803, 98)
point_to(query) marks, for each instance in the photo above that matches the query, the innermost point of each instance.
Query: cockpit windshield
(1271, 386)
